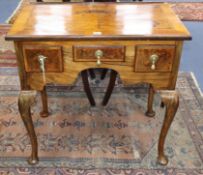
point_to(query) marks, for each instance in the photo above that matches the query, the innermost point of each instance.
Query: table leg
(44, 113)
(25, 101)
(162, 105)
(110, 87)
(91, 73)
(150, 112)
(171, 101)
(103, 73)
(86, 86)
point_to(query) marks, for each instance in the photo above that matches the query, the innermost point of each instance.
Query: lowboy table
(55, 42)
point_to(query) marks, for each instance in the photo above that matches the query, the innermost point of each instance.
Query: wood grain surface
(110, 53)
(126, 69)
(53, 54)
(98, 20)
(165, 53)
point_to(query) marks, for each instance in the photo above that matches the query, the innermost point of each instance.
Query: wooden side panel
(165, 53)
(110, 53)
(175, 69)
(21, 66)
(53, 61)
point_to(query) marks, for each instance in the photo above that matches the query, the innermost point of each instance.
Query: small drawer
(53, 61)
(152, 58)
(109, 53)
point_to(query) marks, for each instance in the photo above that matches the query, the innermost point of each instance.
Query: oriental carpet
(116, 139)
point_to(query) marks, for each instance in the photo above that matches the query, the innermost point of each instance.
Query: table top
(97, 20)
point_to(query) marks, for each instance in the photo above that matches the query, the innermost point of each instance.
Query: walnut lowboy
(140, 41)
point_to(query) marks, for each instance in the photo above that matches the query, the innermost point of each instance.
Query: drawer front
(53, 61)
(109, 53)
(154, 58)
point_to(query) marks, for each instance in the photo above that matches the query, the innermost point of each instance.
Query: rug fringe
(196, 83)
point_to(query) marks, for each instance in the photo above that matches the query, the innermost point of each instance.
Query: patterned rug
(7, 51)
(189, 11)
(116, 139)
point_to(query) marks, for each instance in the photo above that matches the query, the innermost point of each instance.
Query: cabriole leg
(171, 101)
(25, 101)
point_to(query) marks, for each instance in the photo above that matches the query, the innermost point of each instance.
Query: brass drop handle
(153, 60)
(98, 55)
(41, 60)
